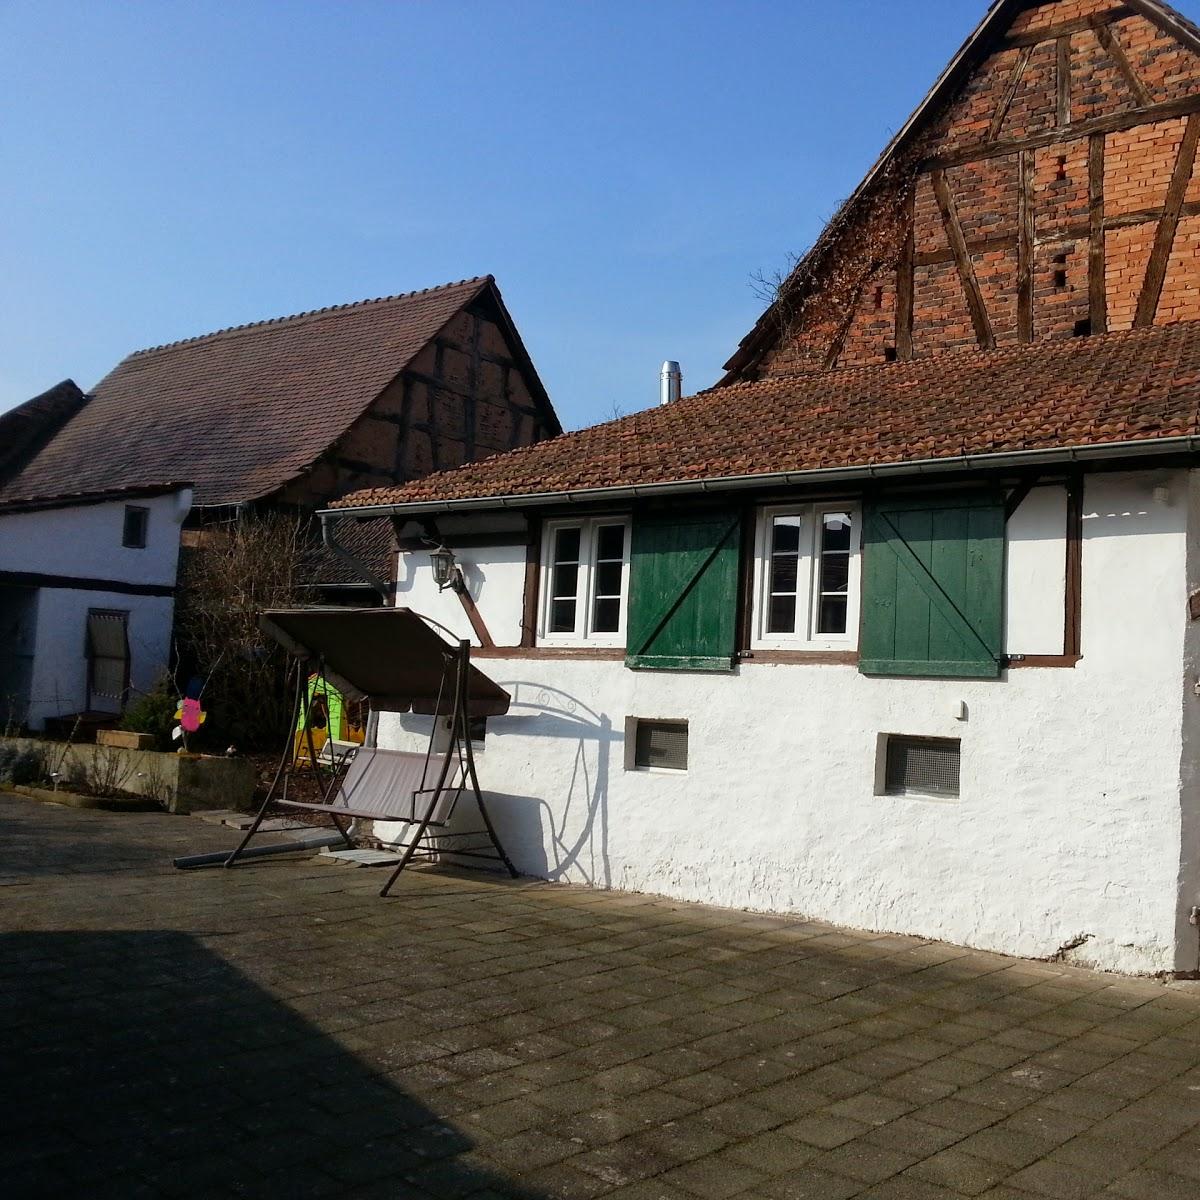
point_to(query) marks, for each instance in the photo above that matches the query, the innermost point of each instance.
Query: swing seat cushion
(391, 785)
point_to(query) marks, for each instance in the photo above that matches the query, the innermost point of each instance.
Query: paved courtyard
(280, 1031)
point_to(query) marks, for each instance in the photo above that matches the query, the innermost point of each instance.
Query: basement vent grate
(661, 744)
(925, 766)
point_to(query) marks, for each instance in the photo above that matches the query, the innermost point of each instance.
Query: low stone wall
(181, 783)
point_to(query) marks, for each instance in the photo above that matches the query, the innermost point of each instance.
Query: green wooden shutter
(933, 587)
(683, 585)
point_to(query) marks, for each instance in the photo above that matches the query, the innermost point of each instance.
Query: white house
(954, 696)
(87, 587)
(897, 626)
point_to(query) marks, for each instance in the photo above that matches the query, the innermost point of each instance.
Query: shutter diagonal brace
(655, 627)
(936, 594)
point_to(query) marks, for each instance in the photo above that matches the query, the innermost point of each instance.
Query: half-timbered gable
(1047, 188)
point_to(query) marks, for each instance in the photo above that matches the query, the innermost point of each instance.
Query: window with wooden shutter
(683, 590)
(933, 587)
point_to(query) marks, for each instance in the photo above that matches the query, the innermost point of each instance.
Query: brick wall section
(1034, 106)
(1043, 16)
(1097, 87)
(852, 303)
(874, 321)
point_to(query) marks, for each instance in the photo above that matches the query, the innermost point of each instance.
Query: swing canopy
(388, 656)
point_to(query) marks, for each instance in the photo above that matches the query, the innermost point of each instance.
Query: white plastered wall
(83, 542)
(1067, 831)
(59, 685)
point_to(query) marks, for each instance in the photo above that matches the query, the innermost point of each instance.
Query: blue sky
(621, 168)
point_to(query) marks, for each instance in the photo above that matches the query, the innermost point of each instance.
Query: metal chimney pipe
(670, 383)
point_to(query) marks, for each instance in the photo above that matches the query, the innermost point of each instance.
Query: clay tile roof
(24, 430)
(1130, 386)
(242, 411)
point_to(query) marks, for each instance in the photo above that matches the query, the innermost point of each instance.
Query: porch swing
(392, 658)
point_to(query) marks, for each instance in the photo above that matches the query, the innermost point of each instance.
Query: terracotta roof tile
(1083, 391)
(242, 411)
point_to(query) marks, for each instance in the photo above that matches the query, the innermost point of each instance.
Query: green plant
(8, 755)
(153, 712)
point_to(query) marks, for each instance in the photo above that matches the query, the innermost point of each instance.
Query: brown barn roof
(242, 411)
(1122, 387)
(24, 430)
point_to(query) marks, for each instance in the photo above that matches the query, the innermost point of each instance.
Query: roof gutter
(1015, 460)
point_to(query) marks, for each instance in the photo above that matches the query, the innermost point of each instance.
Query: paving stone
(960, 1172)
(811, 1183)
(866, 1162)
(825, 1131)
(1060, 1181)
(714, 1178)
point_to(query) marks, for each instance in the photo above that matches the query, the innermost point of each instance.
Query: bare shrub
(227, 581)
(106, 770)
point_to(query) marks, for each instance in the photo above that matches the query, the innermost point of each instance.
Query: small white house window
(806, 577)
(585, 581)
(137, 522)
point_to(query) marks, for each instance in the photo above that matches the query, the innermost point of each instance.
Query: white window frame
(805, 637)
(583, 635)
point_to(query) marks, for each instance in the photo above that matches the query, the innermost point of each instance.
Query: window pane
(835, 573)
(566, 581)
(783, 574)
(610, 542)
(782, 616)
(607, 615)
(566, 545)
(833, 615)
(562, 616)
(608, 579)
(786, 535)
(835, 531)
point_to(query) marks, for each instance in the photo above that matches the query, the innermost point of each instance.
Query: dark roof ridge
(311, 314)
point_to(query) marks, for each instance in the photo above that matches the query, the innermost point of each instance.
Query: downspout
(356, 564)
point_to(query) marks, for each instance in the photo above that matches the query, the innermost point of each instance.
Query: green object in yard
(330, 716)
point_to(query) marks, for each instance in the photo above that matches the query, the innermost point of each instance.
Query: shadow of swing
(566, 835)
(142, 1063)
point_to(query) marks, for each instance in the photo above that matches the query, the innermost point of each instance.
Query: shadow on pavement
(141, 1063)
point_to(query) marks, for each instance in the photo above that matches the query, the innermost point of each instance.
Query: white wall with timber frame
(1067, 828)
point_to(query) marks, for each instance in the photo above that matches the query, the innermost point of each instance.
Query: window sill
(603, 653)
(847, 658)
(1045, 660)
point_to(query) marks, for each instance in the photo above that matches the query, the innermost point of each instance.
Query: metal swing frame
(427, 809)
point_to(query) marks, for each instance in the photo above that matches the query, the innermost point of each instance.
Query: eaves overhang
(1018, 460)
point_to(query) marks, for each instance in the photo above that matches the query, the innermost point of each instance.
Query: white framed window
(806, 564)
(585, 581)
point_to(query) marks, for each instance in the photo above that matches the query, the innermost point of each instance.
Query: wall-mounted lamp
(445, 570)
